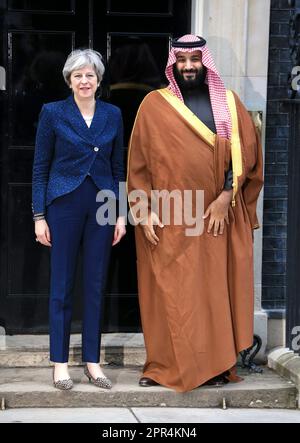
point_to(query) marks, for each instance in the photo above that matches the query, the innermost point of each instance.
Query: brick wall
(276, 161)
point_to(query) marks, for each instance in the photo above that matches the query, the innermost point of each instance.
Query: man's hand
(148, 227)
(42, 232)
(218, 211)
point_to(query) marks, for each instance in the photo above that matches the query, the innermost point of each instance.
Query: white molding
(2, 339)
(197, 17)
(2, 79)
(245, 36)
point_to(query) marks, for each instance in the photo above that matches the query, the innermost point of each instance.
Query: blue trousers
(72, 220)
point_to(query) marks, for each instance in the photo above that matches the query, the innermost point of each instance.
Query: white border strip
(197, 17)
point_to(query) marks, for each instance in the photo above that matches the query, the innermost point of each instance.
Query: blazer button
(96, 149)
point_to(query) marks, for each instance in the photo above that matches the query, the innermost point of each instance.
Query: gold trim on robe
(236, 151)
(188, 115)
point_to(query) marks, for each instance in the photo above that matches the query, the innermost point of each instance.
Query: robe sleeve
(138, 165)
(251, 180)
(253, 184)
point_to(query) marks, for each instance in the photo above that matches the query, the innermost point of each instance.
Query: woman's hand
(148, 228)
(218, 211)
(42, 232)
(120, 230)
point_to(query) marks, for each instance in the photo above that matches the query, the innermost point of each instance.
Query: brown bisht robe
(195, 293)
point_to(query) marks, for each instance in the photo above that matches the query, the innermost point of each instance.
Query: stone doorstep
(287, 364)
(32, 387)
(115, 356)
(33, 342)
(122, 349)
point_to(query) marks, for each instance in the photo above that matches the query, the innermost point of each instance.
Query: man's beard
(190, 84)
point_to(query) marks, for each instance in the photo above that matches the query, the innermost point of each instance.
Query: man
(195, 292)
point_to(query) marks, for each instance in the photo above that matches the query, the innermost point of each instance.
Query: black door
(36, 36)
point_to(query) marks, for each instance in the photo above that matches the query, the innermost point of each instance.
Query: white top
(88, 120)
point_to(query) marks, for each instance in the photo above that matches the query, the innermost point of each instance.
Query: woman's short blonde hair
(79, 58)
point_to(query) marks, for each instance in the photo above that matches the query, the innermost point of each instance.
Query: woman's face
(84, 82)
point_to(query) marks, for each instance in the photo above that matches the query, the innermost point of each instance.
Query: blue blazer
(67, 150)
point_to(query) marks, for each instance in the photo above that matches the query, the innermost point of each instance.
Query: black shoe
(219, 380)
(145, 382)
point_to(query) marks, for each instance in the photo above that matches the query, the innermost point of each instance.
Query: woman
(78, 152)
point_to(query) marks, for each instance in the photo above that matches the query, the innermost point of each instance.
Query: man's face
(189, 68)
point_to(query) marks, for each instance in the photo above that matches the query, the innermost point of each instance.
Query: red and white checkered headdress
(216, 86)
